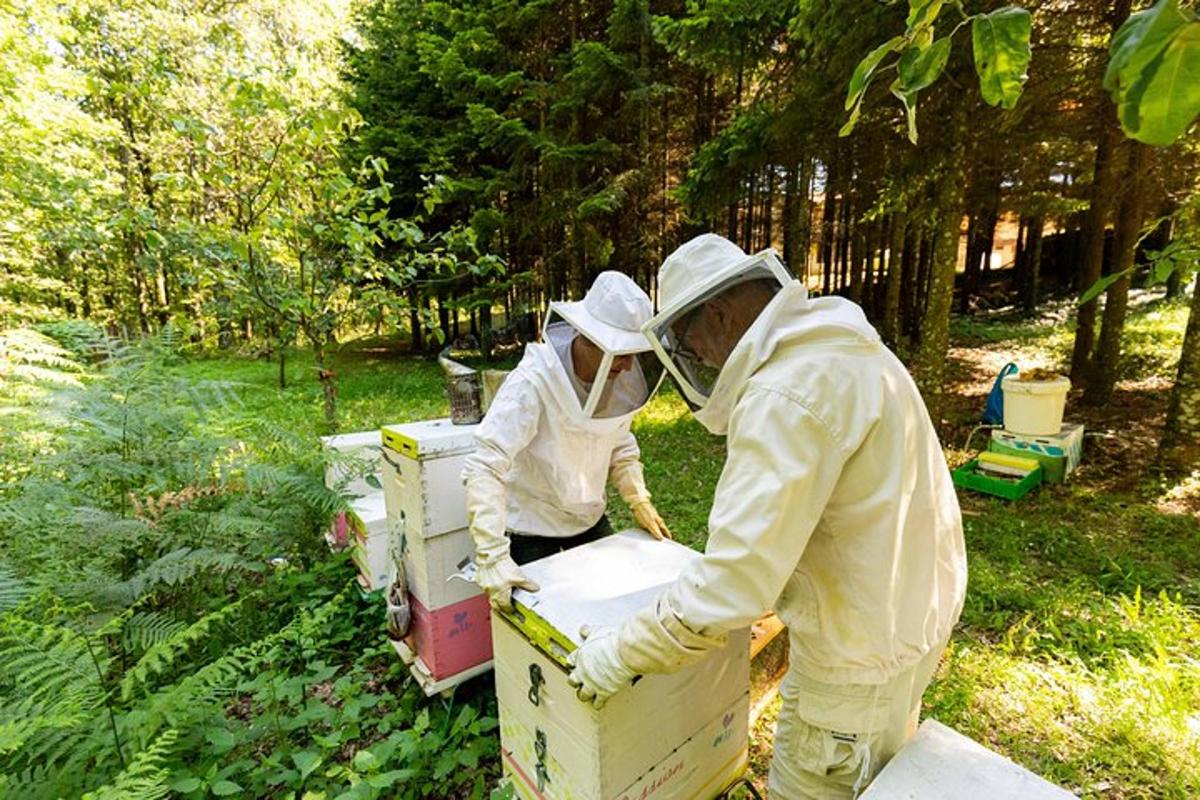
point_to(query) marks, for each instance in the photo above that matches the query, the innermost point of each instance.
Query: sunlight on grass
(1077, 651)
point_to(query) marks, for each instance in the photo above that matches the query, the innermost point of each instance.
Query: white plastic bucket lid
(1014, 385)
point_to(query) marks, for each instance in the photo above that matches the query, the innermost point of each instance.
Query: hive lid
(344, 442)
(596, 584)
(433, 438)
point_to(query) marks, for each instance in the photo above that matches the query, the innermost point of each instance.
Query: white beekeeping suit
(835, 507)
(551, 440)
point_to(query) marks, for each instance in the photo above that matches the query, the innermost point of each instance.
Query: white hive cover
(436, 437)
(604, 582)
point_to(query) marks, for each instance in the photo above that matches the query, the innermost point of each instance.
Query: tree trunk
(891, 297)
(1099, 202)
(1018, 276)
(282, 365)
(414, 322)
(858, 246)
(908, 280)
(443, 312)
(791, 201)
(930, 365)
(1032, 272)
(328, 386)
(828, 215)
(485, 329)
(844, 242)
(1106, 359)
(1180, 446)
(980, 237)
(922, 287)
(769, 210)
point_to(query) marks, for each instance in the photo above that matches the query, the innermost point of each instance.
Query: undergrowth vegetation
(170, 622)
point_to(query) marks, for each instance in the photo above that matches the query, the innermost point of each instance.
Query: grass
(1077, 654)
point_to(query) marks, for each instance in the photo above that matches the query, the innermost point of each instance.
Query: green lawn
(1078, 654)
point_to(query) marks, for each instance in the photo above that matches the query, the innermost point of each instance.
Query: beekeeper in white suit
(835, 507)
(557, 431)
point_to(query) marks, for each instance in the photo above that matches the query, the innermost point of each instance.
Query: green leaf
(922, 12)
(222, 740)
(184, 785)
(1138, 42)
(385, 780)
(306, 761)
(920, 68)
(1165, 101)
(373, 481)
(1100, 286)
(1000, 41)
(225, 788)
(865, 70)
(365, 761)
(1161, 269)
(909, 99)
(852, 121)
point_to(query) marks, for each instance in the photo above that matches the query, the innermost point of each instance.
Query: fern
(170, 570)
(145, 778)
(165, 653)
(222, 675)
(13, 590)
(45, 662)
(145, 629)
(51, 691)
(293, 486)
(30, 357)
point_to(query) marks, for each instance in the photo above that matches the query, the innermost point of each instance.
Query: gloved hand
(498, 577)
(648, 519)
(597, 671)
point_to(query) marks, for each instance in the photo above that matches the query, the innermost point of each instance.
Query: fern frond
(21, 723)
(28, 784)
(45, 663)
(297, 487)
(50, 694)
(144, 630)
(145, 778)
(220, 676)
(162, 655)
(13, 590)
(170, 570)
(29, 355)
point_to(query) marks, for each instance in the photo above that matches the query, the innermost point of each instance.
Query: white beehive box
(353, 453)
(427, 506)
(450, 636)
(423, 464)
(432, 563)
(942, 764)
(681, 736)
(368, 539)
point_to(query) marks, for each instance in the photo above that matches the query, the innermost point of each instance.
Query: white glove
(648, 519)
(597, 671)
(498, 577)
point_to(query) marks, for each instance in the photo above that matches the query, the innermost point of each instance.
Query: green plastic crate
(968, 477)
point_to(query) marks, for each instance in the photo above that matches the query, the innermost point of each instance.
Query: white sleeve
(625, 470)
(510, 425)
(782, 466)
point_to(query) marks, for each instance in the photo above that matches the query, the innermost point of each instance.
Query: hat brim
(608, 337)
